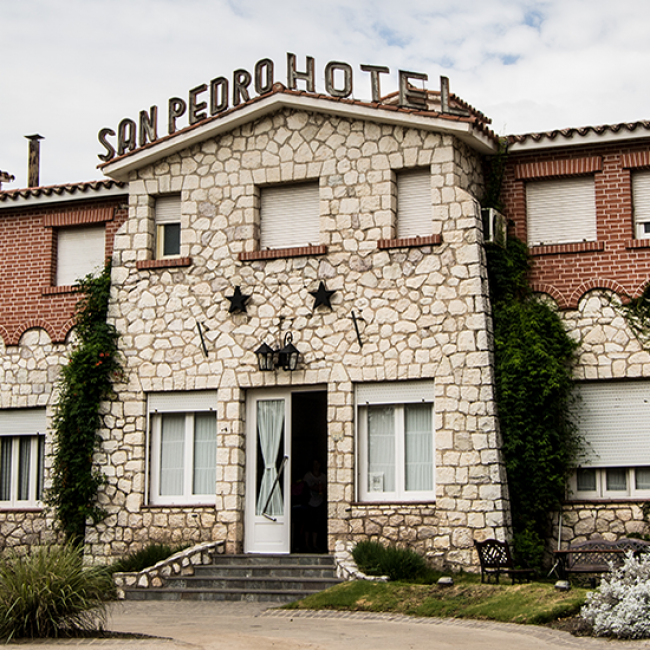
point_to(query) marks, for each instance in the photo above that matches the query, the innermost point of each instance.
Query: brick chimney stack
(34, 160)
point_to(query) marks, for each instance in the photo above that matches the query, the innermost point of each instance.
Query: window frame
(188, 404)
(640, 184)
(559, 221)
(167, 213)
(291, 227)
(408, 220)
(397, 395)
(63, 256)
(36, 471)
(602, 491)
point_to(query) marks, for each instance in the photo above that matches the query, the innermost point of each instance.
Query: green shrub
(396, 563)
(48, 593)
(145, 557)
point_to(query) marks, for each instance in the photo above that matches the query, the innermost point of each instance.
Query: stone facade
(587, 282)
(423, 312)
(36, 319)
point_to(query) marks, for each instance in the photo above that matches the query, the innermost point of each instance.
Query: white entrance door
(268, 472)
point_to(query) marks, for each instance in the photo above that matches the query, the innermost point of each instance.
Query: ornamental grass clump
(621, 606)
(49, 593)
(374, 559)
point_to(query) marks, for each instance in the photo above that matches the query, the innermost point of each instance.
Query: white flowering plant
(621, 606)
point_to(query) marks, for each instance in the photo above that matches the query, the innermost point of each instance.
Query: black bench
(496, 559)
(597, 556)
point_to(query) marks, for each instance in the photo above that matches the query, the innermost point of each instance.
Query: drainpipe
(34, 159)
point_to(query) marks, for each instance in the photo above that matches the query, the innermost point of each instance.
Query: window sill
(176, 262)
(637, 243)
(152, 506)
(578, 247)
(606, 500)
(19, 509)
(282, 253)
(56, 291)
(409, 242)
(393, 504)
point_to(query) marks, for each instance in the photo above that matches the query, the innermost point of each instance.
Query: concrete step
(268, 578)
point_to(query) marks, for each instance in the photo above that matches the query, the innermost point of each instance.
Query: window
(561, 210)
(183, 447)
(610, 483)
(290, 216)
(414, 213)
(396, 441)
(168, 226)
(641, 203)
(613, 420)
(22, 456)
(80, 251)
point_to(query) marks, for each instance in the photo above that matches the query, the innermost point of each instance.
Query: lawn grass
(534, 603)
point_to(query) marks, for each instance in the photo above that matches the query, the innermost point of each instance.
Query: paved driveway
(250, 626)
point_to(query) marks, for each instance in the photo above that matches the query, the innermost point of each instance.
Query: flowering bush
(621, 606)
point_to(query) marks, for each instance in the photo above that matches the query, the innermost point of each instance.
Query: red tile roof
(581, 132)
(60, 190)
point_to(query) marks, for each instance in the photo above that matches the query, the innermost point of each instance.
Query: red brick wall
(28, 298)
(616, 261)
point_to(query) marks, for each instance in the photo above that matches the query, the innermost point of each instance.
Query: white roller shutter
(397, 392)
(414, 212)
(614, 420)
(80, 251)
(183, 401)
(22, 422)
(561, 210)
(168, 209)
(641, 202)
(290, 216)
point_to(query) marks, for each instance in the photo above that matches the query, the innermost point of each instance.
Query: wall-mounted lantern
(286, 357)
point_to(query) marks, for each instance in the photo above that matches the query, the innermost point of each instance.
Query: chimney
(34, 159)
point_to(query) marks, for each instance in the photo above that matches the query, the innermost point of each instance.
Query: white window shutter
(22, 422)
(614, 420)
(399, 392)
(80, 251)
(641, 201)
(290, 216)
(183, 401)
(414, 211)
(561, 211)
(168, 209)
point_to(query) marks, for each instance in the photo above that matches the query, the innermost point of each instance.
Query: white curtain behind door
(270, 425)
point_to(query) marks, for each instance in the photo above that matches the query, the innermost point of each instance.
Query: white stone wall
(608, 350)
(423, 314)
(28, 377)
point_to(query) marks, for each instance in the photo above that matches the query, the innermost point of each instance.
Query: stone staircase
(269, 578)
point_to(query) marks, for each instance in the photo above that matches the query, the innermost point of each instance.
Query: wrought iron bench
(496, 559)
(597, 556)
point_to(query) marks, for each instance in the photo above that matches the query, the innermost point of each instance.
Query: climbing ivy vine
(85, 382)
(534, 357)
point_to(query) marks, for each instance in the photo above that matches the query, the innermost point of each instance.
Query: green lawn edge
(534, 603)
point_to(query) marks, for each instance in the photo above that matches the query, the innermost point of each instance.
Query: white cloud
(75, 66)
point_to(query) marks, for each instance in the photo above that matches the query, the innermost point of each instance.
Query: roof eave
(576, 140)
(64, 194)
(464, 130)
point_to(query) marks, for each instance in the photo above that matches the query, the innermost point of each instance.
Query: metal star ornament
(237, 301)
(322, 296)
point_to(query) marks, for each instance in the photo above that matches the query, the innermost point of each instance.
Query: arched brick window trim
(596, 283)
(551, 291)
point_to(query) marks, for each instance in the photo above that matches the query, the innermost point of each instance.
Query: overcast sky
(72, 67)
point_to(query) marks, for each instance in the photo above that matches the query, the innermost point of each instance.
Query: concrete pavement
(190, 625)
